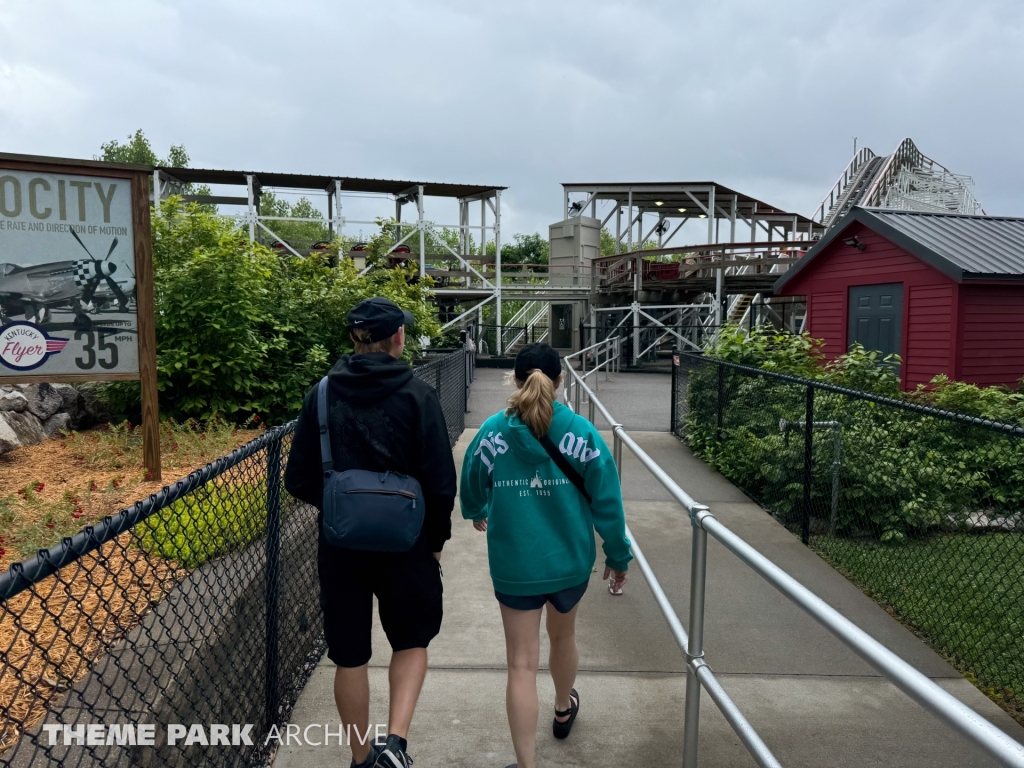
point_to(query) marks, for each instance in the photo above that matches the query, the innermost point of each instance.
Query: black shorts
(408, 589)
(563, 601)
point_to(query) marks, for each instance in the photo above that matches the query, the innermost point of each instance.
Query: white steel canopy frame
(662, 209)
(169, 181)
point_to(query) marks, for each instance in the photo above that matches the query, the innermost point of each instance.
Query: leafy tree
(608, 244)
(298, 234)
(525, 249)
(137, 149)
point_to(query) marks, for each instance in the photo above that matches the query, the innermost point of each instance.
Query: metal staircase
(529, 324)
(739, 307)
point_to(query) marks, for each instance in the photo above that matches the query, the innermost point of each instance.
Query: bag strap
(563, 464)
(322, 414)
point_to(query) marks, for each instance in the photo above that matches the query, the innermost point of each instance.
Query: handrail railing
(916, 685)
(611, 350)
(860, 157)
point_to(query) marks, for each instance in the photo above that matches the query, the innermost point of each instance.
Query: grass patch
(119, 446)
(964, 593)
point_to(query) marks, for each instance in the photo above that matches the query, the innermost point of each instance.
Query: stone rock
(73, 405)
(95, 410)
(18, 430)
(43, 399)
(59, 422)
(8, 437)
(69, 395)
(13, 401)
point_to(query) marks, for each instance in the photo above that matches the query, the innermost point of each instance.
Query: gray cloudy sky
(764, 97)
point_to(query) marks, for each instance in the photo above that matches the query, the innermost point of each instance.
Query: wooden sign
(76, 278)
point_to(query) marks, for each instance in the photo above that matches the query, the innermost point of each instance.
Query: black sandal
(561, 730)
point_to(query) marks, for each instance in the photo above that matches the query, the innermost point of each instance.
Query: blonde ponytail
(533, 403)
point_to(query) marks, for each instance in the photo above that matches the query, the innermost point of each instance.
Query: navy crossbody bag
(374, 511)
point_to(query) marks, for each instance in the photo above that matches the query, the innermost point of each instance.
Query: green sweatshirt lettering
(540, 529)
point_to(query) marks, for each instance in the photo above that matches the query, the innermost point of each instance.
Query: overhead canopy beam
(327, 183)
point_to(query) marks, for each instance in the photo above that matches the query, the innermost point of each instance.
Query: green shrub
(242, 330)
(212, 521)
(765, 347)
(902, 473)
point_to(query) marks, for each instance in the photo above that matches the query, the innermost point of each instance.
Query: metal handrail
(586, 349)
(612, 349)
(916, 685)
(609, 349)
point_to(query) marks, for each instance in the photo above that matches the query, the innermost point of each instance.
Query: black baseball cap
(538, 356)
(380, 316)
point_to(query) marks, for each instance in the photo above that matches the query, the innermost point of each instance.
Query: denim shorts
(563, 601)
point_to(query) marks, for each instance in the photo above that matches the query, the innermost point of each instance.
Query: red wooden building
(944, 291)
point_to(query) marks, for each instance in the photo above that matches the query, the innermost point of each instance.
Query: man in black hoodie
(381, 418)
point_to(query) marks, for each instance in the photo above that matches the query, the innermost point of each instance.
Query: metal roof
(293, 180)
(963, 246)
(324, 183)
(669, 196)
(981, 246)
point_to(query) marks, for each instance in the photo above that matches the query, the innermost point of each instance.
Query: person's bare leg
(522, 650)
(352, 697)
(405, 676)
(564, 658)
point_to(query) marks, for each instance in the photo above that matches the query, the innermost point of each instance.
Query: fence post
(465, 382)
(805, 522)
(837, 453)
(273, 580)
(675, 366)
(720, 402)
(694, 640)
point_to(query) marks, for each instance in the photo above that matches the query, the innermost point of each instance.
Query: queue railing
(925, 692)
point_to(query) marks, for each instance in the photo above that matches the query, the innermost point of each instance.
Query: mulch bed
(50, 634)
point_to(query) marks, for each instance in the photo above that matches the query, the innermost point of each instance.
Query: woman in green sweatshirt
(540, 533)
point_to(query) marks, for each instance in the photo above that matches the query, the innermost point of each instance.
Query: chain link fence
(198, 605)
(922, 508)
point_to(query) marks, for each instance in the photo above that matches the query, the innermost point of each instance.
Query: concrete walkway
(813, 701)
(646, 413)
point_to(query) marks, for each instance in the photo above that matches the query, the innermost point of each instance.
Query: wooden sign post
(76, 278)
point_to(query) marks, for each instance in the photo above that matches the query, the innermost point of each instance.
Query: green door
(876, 317)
